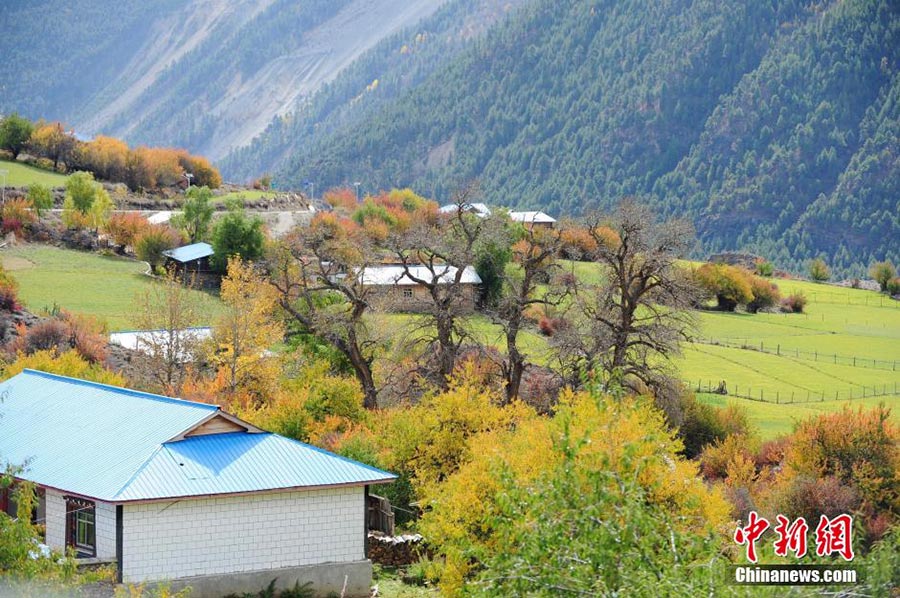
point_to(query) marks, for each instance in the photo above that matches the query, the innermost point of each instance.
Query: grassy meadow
(22, 175)
(83, 282)
(806, 358)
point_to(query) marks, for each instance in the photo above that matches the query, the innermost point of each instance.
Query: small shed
(190, 258)
(184, 492)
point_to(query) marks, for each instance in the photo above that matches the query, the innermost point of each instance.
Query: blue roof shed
(189, 253)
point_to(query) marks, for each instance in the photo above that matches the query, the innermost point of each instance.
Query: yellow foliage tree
(244, 333)
(627, 439)
(69, 363)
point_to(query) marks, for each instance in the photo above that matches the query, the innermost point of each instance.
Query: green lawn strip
(779, 377)
(86, 283)
(771, 420)
(22, 175)
(246, 195)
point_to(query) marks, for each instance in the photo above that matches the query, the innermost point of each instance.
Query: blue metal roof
(189, 253)
(116, 445)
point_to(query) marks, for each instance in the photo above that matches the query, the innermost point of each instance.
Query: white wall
(55, 517)
(55, 520)
(174, 539)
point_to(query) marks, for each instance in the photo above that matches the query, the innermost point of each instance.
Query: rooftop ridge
(119, 389)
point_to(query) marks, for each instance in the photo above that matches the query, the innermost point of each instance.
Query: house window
(407, 293)
(81, 526)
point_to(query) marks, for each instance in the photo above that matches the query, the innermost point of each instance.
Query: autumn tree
(237, 234)
(534, 256)
(765, 294)
(40, 197)
(245, 332)
(819, 270)
(86, 203)
(729, 285)
(168, 309)
(882, 272)
(205, 174)
(196, 214)
(125, 228)
(15, 132)
(153, 240)
(317, 274)
(436, 251)
(105, 156)
(627, 325)
(50, 140)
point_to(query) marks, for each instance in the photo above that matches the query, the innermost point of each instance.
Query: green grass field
(22, 175)
(808, 358)
(84, 283)
(245, 195)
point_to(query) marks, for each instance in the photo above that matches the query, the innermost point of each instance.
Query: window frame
(81, 524)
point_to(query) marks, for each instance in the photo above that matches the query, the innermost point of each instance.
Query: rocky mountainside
(208, 75)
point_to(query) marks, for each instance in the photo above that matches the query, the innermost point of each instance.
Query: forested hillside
(773, 126)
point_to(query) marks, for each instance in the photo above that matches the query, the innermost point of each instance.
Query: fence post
(779, 348)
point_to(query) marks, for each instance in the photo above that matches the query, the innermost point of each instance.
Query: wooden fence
(833, 358)
(796, 396)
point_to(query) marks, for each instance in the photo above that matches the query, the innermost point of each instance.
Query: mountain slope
(755, 120)
(380, 76)
(208, 75)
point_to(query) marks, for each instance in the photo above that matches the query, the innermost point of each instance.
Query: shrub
(40, 197)
(819, 270)
(576, 243)
(811, 497)
(765, 268)
(125, 228)
(716, 458)
(46, 335)
(155, 239)
(728, 284)
(883, 272)
(765, 294)
(9, 291)
(794, 303)
(860, 449)
(703, 425)
(893, 286)
(15, 215)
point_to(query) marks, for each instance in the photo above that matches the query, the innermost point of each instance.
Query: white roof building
(536, 217)
(479, 209)
(397, 276)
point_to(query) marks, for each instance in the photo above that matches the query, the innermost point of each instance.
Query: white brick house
(177, 491)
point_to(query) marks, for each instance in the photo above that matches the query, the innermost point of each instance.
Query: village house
(396, 289)
(531, 219)
(156, 342)
(175, 490)
(190, 259)
(479, 209)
